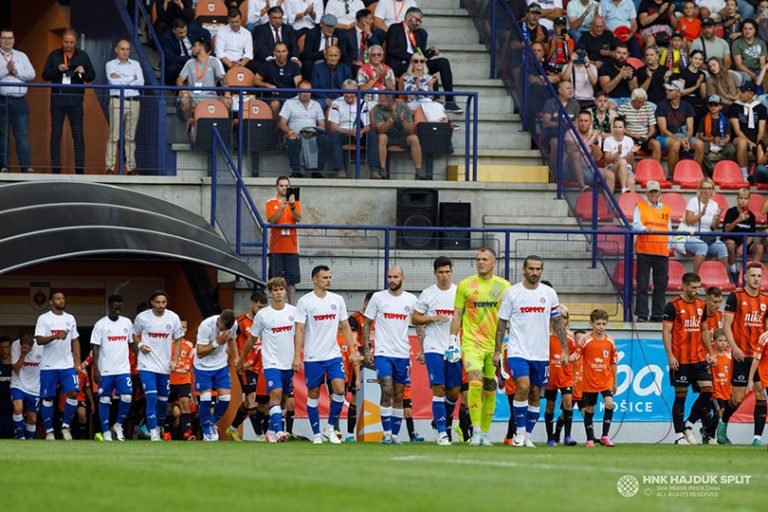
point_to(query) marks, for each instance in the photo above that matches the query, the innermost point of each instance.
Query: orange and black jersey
(748, 318)
(714, 322)
(686, 319)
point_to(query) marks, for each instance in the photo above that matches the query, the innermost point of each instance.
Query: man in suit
(177, 47)
(267, 35)
(330, 74)
(354, 43)
(402, 41)
(318, 39)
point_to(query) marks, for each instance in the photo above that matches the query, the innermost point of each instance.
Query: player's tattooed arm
(368, 357)
(420, 337)
(558, 323)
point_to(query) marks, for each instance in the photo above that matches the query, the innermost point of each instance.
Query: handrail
(139, 9)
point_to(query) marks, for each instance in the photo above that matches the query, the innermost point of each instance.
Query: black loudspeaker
(455, 215)
(416, 207)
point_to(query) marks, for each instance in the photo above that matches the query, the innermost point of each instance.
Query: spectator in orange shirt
(283, 243)
(598, 351)
(689, 24)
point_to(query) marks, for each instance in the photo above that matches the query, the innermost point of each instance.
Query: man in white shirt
(25, 385)
(345, 12)
(157, 334)
(123, 71)
(434, 310)
(14, 112)
(303, 118)
(234, 44)
(527, 308)
(320, 315)
(303, 15)
(110, 339)
(391, 309)
(56, 332)
(215, 342)
(276, 325)
(391, 11)
(343, 121)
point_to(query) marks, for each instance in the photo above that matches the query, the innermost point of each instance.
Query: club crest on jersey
(495, 292)
(542, 300)
(699, 311)
(167, 327)
(762, 307)
(605, 353)
(290, 318)
(407, 309)
(333, 307)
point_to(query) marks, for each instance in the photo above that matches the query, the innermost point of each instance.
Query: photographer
(68, 65)
(284, 208)
(560, 45)
(583, 74)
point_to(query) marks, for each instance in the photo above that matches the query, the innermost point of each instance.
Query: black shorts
(551, 394)
(589, 399)
(180, 391)
(285, 266)
(741, 373)
(688, 374)
(464, 386)
(262, 399)
(249, 380)
(407, 403)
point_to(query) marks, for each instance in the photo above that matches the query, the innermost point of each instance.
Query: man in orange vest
(652, 252)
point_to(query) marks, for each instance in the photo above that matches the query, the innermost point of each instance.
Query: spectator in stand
(303, 15)
(652, 250)
(345, 11)
(14, 111)
(711, 45)
(533, 31)
(694, 82)
(748, 118)
(355, 43)
(675, 58)
(234, 44)
(302, 120)
(580, 16)
(652, 76)
(417, 78)
(583, 74)
(316, 42)
(343, 123)
(739, 219)
(267, 35)
(675, 119)
(550, 11)
(375, 75)
(283, 243)
(330, 74)
(656, 16)
(715, 136)
(598, 42)
(389, 12)
(68, 65)
(702, 214)
(619, 155)
(550, 116)
(760, 174)
(575, 159)
(708, 8)
(602, 116)
(394, 126)
(749, 52)
(616, 76)
(278, 73)
(123, 71)
(204, 70)
(170, 10)
(177, 47)
(560, 45)
(640, 123)
(732, 21)
(404, 39)
(257, 13)
(721, 82)
(622, 13)
(689, 24)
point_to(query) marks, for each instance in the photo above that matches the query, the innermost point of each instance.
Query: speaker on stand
(455, 215)
(417, 207)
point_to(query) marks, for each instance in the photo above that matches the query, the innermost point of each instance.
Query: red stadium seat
(713, 273)
(239, 76)
(687, 174)
(635, 62)
(756, 202)
(675, 281)
(727, 175)
(610, 244)
(648, 169)
(722, 202)
(676, 203)
(584, 208)
(627, 203)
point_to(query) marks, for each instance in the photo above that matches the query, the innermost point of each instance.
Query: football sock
(18, 426)
(607, 418)
(70, 408)
(152, 410)
(511, 426)
(162, 408)
(313, 415)
(439, 413)
(257, 422)
(520, 410)
(489, 406)
(289, 415)
(397, 420)
(351, 418)
(186, 422)
(465, 423)
(386, 419)
(728, 411)
(449, 408)
(410, 426)
(337, 404)
(240, 416)
(30, 429)
(700, 407)
(265, 421)
(275, 418)
(567, 422)
(474, 402)
(204, 410)
(531, 418)
(220, 409)
(760, 411)
(549, 417)
(123, 407)
(678, 412)
(47, 411)
(104, 404)
(588, 427)
(559, 426)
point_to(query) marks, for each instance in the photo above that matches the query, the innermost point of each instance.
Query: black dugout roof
(54, 220)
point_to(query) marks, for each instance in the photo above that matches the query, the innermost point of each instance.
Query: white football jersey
(206, 335)
(57, 355)
(28, 378)
(321, 319)
(432, 302)
(277, 329)
(528, 313)
(113, 338)
(392, 315)
(158, 332)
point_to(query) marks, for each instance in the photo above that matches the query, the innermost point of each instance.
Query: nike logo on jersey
(395, 316)
(320, 318)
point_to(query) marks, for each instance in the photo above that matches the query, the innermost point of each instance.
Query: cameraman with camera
(284, 208)
(68, 65)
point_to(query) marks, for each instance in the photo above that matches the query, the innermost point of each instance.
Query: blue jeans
(14, 114)
(369, 143)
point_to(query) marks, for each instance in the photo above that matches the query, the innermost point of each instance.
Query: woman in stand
(702, 215)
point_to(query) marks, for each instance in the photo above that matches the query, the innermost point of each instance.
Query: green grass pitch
(225, 476)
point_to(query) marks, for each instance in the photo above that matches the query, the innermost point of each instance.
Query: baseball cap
(715, 99)
(674, 85)
(328, 20)
(561, 21)
(652, 185)
(748, 86)
(708, 22)
(676, 34)
(534, 8)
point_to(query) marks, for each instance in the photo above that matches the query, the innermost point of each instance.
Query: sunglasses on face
(419, 61)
